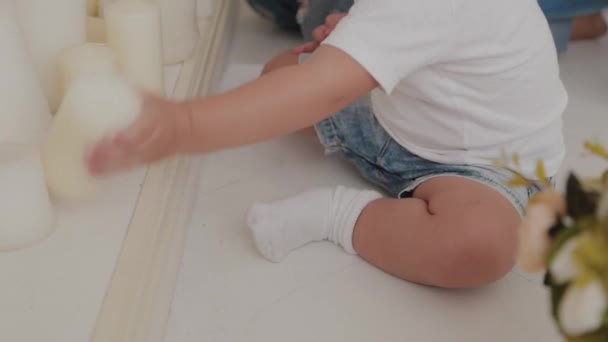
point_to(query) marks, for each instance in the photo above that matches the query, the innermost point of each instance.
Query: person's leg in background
(574, 20)
(303, 15)
(282, 12)
(569, 20)
(589, 26)
(317, 12)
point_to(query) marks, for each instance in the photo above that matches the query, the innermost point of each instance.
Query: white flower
(582, 309)
(534, 240)
(563, 268)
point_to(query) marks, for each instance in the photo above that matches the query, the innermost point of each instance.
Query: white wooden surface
(228, 293)
(53, 292)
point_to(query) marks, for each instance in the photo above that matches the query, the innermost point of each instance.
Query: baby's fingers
(119, 151)
(103, 158)
(306, 48)
(333, 19)
(321, 33)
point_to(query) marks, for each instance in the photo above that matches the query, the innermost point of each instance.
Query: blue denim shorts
(357, 134)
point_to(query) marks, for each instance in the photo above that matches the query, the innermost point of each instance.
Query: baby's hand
(154, 136)
(321, 33)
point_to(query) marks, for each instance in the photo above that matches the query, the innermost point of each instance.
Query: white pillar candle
(85, 61)
(93, 8)
(103, 4)
(96, 26)
(26, 214)
(94, 108)
(96, 30)
(179, 27)
(49, 27)
(134, 33)
(24, 112)
(205, 8)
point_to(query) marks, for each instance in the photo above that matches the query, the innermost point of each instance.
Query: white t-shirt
(462, 80)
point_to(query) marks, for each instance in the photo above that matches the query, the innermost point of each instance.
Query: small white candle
(85, 61)
(96, 30)
(25, 209)
(94, 107)
(24, 111)
(180, 29)
(134, 33)
(49, 27)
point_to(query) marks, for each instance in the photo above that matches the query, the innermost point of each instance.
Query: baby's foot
(321, 214)
(283, 226)
(588, 27)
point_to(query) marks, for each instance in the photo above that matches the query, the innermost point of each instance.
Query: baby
(422, 96)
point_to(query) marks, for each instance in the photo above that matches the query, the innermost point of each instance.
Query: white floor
(228, 293)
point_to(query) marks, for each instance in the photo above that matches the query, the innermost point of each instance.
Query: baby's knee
(481, 254)
(283, 60)
(268, 67)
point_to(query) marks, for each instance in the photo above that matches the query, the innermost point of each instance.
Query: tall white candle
(205, 8)
(24, 112)
(96, 30)
(26, 214)
(96, 26)
(94, 107)
(134, 32)
(180, 29)
(93, 8)
(49, 27)
(103, 4)
(85, 60)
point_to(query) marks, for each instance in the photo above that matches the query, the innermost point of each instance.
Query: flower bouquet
(566, 236)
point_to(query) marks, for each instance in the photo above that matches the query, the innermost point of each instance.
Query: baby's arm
(278, 103)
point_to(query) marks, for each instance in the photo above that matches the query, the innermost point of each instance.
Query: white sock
(316, 215)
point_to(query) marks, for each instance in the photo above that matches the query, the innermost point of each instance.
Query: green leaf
(516, 161)
(598, 336)
(518, 181)
(541, 173)
(548, 279)
(556, 229)
(501, 164)
(557, 293)
(596, 149)
(580, 203)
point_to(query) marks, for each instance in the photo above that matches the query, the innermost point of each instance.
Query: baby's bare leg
(284, 59)
(454, 233)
